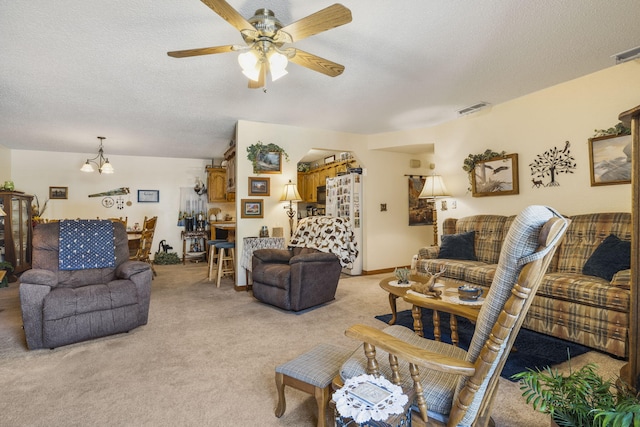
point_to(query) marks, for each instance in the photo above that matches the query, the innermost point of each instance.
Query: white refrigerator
(344, 199)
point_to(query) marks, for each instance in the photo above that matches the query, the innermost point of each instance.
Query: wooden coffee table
(447, 303)
(389, 284)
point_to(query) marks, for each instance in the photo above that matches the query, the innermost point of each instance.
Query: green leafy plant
(255, 149)
(470, 162)
(166, 258)
(581, 399)
(5, 265)
(619, 129)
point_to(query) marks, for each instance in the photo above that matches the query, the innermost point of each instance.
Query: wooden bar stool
(213, 255)
(226, 260)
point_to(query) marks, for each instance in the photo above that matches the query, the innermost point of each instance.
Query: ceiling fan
(265, 37)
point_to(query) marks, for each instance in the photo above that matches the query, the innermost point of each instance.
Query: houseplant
(581, 399)
(8, 267)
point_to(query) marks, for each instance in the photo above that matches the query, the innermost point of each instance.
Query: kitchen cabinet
(16, 229)
(301, 186)
(311, 187)
(230, 158)
(217, 185)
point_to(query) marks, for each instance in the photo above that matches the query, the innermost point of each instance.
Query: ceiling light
(277, 65)
(263, 53)
(100, 161)
(627, 55)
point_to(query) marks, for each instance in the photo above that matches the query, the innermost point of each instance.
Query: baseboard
(382, 270)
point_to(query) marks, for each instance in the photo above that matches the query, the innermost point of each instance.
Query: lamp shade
(433, 188)
(107, 168)
(290, 193)
(86, 167)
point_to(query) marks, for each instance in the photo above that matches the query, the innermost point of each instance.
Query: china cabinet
(16, 229)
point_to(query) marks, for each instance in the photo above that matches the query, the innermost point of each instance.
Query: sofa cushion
(480, 274)
(454, 269)
(457, 246)
(584, 235)
(68, 302)
(611, 256)
(581, 289)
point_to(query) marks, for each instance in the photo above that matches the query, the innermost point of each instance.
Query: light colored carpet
(206, 357)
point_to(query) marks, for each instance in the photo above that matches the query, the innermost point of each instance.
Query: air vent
(473, 108)
(627, 55)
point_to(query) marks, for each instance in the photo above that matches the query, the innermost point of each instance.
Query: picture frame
(610, 160)
(58, 193)
(148, 196)
(329, 159)
(251, 208)
(259, 186)
(268, 162)
(495, 177)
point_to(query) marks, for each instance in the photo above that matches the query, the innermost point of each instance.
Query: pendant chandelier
(100, 161)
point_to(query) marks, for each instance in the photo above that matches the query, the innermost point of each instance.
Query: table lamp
(434, 189)
(290, 194)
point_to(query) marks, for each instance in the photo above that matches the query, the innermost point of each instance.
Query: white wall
(35, 171)
(388, 240)
(529, 126)
(5, 165)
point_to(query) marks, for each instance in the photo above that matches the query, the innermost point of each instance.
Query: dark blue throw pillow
(458, 246)
(610, 257)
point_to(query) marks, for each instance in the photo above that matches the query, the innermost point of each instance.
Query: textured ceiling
(75, 69)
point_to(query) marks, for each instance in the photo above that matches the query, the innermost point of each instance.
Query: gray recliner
(61, 307)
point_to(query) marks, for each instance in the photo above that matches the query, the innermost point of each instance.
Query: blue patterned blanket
(86, 244)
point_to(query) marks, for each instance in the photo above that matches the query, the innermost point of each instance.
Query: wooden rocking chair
(457, 387)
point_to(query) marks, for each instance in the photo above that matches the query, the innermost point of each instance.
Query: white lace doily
(348, 405)
(456, 300)
(401, 285)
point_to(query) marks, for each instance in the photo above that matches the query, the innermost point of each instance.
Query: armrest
(410, 353)
(38, 276)
(465, 311)
(128, 269)
(622, 279)
(314, 257)
(281, 256)
(428, 252)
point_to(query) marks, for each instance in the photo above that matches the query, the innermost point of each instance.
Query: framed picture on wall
(268, 162)
(259, 186)
(495, 177)
(148, 196)
(58, 192)
(610, 160)
(251, 208)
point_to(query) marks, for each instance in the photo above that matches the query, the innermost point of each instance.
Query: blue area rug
(532, 349)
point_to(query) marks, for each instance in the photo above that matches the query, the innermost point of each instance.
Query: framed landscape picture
(268, 162)
(58, 192)
(610, 160)
(495, 177)
(259, 186)
(251, 208)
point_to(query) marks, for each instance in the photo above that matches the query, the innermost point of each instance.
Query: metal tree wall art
(551, 163)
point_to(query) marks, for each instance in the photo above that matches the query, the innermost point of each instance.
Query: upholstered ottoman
(311, 372)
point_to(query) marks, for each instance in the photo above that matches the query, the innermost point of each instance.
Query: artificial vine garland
(470, 162)
(257, 148)
(619, 129)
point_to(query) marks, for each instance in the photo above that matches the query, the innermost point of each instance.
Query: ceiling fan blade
(201, 51)
(229, 14)
(323, 20)
(316, 63)
(260, 83)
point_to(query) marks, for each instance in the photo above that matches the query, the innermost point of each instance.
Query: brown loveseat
(577, 307)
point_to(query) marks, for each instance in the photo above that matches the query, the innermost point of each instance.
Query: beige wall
(5, 164)
(529, 126)
(35, 171)
(388, 240)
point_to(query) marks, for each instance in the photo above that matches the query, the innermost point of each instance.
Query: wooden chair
(120, 220)
(458, 386)
(146, 241)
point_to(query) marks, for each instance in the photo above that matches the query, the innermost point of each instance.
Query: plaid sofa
(570, 305)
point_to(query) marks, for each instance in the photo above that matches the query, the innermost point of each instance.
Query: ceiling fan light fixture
(278, 65)
(250, 65)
